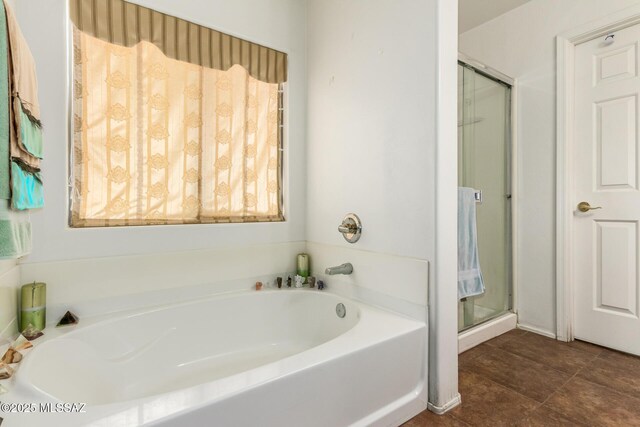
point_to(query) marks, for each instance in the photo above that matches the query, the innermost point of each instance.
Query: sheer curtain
(158, 140)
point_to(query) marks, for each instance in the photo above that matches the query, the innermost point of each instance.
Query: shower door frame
(512, 145)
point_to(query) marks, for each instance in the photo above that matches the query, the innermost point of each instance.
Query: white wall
(371, 126)
(443, 290)
(372, 138)
(280, 24)
(88, 270)
(9, 282)
(373, 74)
(521, 44)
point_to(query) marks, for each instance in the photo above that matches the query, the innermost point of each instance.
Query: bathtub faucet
(345, 268)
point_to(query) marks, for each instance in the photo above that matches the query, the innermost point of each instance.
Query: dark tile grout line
(507, 339)
(522, 416)
(598, 384)
(574, 375)
(560, 388)
(450, 413)
(509, 353)
(488, 344)
(585, 380)
(604, 350)
(540, 363)
(539, 405)
(597, 356)
(502, 386)
(557, 370)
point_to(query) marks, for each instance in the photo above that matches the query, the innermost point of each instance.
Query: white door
(605, 174)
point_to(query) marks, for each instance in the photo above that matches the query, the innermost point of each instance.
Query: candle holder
(303, 266)
(33, 304)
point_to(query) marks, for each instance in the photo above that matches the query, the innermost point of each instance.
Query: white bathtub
(268, 358)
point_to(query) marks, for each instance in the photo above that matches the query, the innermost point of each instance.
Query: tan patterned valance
(126, 24)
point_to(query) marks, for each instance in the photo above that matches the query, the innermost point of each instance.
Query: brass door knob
(586, 207)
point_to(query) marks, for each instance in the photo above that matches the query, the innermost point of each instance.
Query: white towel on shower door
(470, 282)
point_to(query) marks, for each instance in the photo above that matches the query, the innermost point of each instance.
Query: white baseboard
(536, 330)
(446, 407)
(486, 331)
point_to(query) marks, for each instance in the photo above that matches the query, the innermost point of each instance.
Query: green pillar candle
(33, 306)
(303, 265)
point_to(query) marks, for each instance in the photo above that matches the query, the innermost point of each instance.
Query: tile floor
(525, 379)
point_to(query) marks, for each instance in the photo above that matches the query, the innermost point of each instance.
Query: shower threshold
(487, 330)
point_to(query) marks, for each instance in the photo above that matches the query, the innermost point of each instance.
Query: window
(174, 123)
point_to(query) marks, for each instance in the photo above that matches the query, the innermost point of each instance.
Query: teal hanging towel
(25, 127)
(26, 188)
(5, 171)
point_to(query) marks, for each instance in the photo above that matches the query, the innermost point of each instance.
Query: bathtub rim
(416, 398)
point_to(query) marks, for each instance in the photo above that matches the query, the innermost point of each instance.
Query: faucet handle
(351, 228)
(347, 228)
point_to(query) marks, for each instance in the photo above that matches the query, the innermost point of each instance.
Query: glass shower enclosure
(484, 163)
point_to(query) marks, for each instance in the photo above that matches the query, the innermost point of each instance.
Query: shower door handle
(586, 207)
